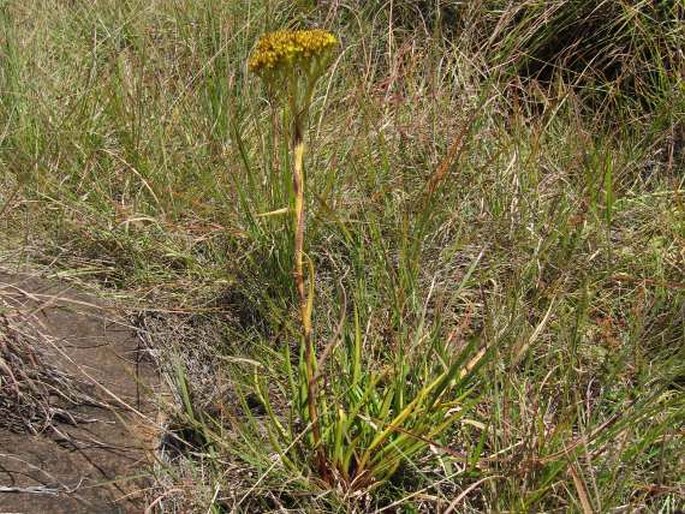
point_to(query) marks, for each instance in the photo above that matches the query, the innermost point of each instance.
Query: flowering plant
(290, 62)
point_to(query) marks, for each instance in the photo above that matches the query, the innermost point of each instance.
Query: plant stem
(305, 313)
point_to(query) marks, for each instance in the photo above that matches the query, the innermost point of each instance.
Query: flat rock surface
(101, 463)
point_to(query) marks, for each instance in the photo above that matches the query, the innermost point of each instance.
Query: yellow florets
(288, 48)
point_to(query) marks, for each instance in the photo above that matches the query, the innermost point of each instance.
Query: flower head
(286, 50)
(290, 62)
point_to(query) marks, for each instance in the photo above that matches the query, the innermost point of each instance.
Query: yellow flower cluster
(286, 48)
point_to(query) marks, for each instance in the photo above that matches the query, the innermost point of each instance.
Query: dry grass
(34, 393)
(473, 180)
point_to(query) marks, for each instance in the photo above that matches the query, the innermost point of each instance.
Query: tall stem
(305, 312)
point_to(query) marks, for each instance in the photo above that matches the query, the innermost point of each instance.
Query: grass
(473, 188)
(29, 404)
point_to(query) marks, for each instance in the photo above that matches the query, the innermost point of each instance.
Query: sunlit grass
(457, 203)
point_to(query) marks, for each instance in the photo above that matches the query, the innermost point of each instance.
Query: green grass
(461, 197)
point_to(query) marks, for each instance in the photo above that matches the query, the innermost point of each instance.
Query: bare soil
(93, 455)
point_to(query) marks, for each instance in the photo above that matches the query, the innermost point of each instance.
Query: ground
(99, 460)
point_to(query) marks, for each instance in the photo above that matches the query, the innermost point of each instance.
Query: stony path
(100, 465)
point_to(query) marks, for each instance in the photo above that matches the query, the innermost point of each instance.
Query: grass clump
(445, 216)
(361, 424)
(36, 395)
